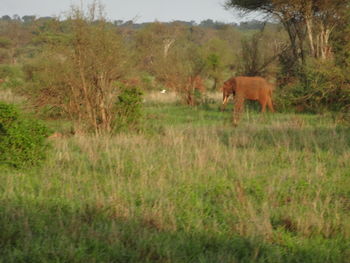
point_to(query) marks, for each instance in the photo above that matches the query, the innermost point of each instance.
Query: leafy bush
(128, 108)
(148, 82)
(77, 67)
(320, 87)
(22, 140)
(12, 75)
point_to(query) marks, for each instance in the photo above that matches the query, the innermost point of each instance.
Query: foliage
(260, 51)
(219, 56)
(128, 109)
(310, 25)
(181, 68)
(323, 87)
(22, 139)
(14, 36)
(5, 42)
(176, 54)
(12, 76)
(154, 42)
(341, 41)
(77, 70)
(148, 82)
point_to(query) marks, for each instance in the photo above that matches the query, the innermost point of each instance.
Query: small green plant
(148, 82)
(128, 108)
(22, 140)
(12, 76)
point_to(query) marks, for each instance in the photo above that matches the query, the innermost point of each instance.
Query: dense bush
(75, 70)
(22, 140)
(11, 75)
(320, 87)
(128, 108)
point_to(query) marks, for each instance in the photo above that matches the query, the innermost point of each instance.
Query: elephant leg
(269, 104)
(263, 105)
(238, 109)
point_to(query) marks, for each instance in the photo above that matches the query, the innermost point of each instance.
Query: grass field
(188, 188)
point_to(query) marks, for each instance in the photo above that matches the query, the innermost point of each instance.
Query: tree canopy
(313, 20)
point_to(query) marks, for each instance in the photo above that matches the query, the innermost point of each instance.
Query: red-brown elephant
(251, 88)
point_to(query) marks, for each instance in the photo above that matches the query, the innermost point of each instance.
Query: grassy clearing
(189, 188)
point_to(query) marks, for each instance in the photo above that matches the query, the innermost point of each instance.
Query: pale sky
(137, 10)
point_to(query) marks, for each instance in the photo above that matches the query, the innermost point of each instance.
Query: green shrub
(320, 87)
(148, 82)
(128, 109)
(5, 42)
(12, 75)
(22, 140)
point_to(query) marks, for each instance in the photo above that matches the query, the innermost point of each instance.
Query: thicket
(320, 87)
(11, 76)
(77, 71)
(22, 139)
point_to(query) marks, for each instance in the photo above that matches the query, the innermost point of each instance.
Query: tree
(154, 42)
(16, 37)
(341, 41)
(180, 70)
(303, 19)
(219, 55)
(260, 52)
(28, 19)
(171, 53)
(321, 17)
(78, 69)
(6, 18)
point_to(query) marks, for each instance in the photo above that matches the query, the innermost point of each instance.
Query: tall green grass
(189, 188)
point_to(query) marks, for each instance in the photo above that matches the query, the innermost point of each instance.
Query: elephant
(251, 88)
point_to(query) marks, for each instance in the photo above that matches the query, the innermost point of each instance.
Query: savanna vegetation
(98, 165)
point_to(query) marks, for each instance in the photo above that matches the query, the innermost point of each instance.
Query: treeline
(208, 23)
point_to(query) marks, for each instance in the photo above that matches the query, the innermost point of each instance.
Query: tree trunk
(89, 108)
(167, 45)
(309, 28)
(292, 37)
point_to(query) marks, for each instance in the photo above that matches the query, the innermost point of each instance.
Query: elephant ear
(233, 85)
